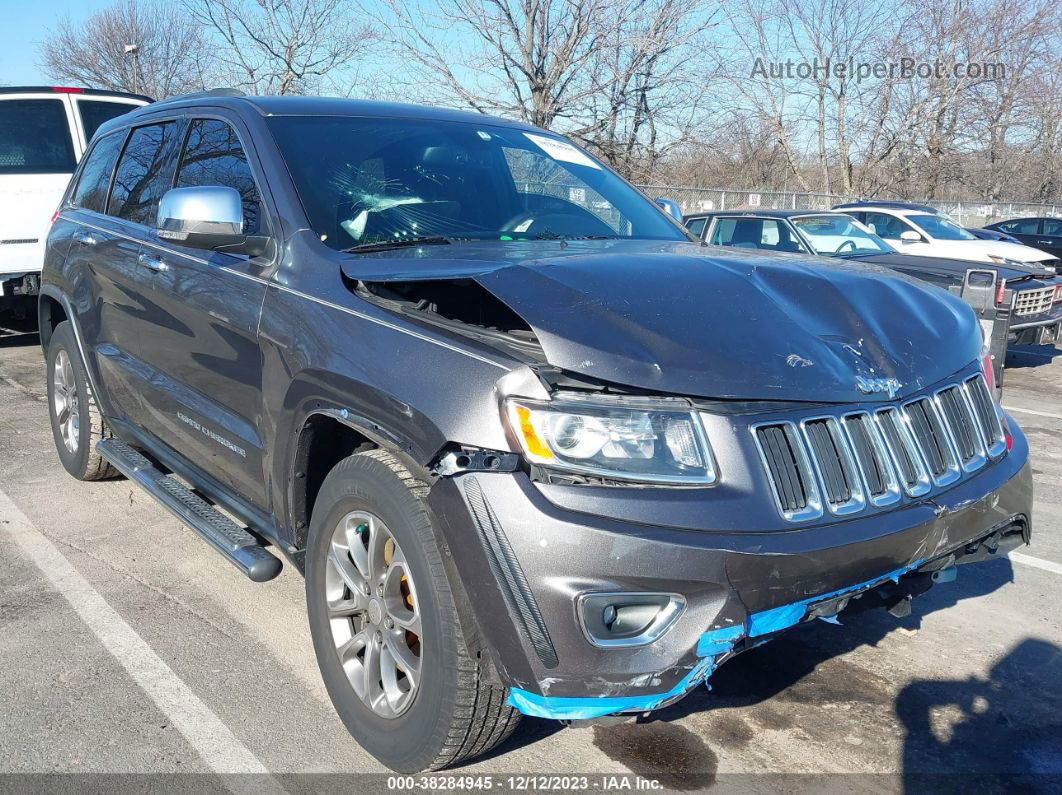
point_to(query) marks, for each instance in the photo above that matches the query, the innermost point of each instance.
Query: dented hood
(703, 321)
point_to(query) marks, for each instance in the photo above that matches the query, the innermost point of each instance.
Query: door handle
(85, 238)
(152, 262)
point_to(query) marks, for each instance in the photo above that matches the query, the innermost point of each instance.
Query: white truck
(43, 133)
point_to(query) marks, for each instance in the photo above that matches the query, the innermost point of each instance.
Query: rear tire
(453, 715)
(77, 423)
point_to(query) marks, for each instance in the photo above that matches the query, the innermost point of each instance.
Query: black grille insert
(783, 467)
(985, 408)
(930, 436)
(906, 459)
(860, 431)
(961, 422)
(826, 452)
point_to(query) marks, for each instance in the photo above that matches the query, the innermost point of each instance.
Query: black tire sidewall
(76, 462)
(412, 741)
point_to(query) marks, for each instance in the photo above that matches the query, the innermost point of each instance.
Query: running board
(238, 546)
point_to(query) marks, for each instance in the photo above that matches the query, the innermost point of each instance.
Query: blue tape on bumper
(710, 646)
(767, 621)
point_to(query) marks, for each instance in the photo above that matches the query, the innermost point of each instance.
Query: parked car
(933, 235)
(1036, 316)
(991, 234)
(43, 133)
(1042, 233)
(535, 449)
(895, 205)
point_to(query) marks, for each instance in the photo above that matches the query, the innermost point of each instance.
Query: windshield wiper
(405, 242)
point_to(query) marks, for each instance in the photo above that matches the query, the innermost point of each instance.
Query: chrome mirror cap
(203, 210)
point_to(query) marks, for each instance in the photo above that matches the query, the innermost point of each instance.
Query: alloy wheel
(374, 614)
(65, 401)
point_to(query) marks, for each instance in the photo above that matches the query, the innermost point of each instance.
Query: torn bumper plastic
(523, 562)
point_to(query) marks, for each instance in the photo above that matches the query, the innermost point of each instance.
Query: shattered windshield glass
(367, 181)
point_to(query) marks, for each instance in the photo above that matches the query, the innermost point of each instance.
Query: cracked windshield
(373, 183)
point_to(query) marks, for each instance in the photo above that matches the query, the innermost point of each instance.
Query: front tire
(385, 627)
(77, 423)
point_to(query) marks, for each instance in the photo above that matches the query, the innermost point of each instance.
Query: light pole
(133, 51)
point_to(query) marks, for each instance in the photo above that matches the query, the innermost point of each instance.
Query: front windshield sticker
(561, 150)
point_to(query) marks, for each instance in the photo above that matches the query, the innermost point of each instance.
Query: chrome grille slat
(847, 463)
(1033, 302)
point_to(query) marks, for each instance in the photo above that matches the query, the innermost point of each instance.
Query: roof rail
(214, 92)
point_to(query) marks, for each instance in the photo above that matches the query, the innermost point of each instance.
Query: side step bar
(234, 542)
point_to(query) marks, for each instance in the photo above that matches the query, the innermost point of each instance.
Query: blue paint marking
(710, 646)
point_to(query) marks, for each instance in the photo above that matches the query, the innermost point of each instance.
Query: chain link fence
(968, 213)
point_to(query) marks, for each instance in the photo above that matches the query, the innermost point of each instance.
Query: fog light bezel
(597, 601)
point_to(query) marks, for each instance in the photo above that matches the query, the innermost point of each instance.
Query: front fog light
(627, 619)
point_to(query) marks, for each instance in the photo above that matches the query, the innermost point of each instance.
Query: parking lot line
(1040, 563)
(1034, 412)
(205, 732)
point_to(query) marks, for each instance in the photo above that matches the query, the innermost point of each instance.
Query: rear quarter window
(35, 137)
(95, 179)
(144, 173)
(95, 112)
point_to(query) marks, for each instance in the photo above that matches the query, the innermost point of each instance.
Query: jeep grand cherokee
(535, 449)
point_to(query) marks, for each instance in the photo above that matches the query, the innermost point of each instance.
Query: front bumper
(522, 561)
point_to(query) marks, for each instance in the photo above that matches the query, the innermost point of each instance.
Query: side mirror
(207, 217)
(670, 206)
(910, 236)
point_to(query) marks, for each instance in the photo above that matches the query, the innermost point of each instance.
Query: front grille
(863, 458)
(1033, 302)
(791, 476)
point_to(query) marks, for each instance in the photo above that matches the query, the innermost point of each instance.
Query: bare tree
(610, 73)
(144, 46)
(284, 46)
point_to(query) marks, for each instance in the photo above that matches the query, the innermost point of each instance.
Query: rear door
(115, 295)
(201, 340)
(1050, 237)
(38, 154)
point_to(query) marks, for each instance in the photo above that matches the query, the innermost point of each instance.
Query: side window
(1027, 227)
(95, 179)
(35, 137)
(1052, 227)
(144, 173)
(213, 156)
(885, 225)
(696, 226)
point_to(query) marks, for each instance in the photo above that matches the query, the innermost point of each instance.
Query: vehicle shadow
(1022, 356)
(998, 734)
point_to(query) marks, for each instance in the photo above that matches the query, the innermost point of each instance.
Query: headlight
(629, 439)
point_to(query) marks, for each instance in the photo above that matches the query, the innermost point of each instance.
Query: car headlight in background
(624, 438)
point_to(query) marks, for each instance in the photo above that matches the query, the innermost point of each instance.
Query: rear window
(95, 179)
(35, 137)
(95, 112)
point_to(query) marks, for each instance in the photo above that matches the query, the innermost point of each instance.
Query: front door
(204, 396)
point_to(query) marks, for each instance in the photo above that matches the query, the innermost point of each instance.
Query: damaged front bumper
(523, 563)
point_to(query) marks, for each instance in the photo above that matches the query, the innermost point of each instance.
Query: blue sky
(22, 32)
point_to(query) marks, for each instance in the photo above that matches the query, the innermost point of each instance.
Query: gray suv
(535, 449)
